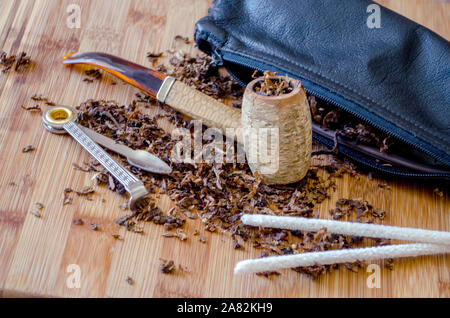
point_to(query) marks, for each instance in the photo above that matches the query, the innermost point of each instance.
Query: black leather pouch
(394, 75)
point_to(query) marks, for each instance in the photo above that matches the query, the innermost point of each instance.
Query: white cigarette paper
(274, 263)
(348, 228)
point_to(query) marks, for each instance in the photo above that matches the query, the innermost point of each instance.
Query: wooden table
(35, 252)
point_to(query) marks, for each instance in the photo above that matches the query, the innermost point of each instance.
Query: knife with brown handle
(165, 89)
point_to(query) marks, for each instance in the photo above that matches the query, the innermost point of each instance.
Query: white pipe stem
(348, 228)
(274, 263)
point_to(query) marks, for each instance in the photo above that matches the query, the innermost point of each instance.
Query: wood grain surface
(36, 252)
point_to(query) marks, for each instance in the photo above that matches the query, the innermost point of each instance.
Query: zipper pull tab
(217, 59)
(214, 65)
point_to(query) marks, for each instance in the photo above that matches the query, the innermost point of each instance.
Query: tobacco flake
(78, 167)
(85, 190)
(36, 209)
(236, 245)
(20, 62)
(93, 74)
(67, 199)
(28, 148)
(6, 61)
(78, 222)
(152, 57)
(268, 274)
(35, 108)
(39, 98)
(167, 266)
(185, 39)
(210, 227)
(179, 234)
(129, 280)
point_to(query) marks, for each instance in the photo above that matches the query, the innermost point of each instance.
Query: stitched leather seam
(204, 35)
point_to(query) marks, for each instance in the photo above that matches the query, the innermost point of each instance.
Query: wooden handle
(199, 106)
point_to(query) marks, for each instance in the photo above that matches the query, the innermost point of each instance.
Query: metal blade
(137, 75)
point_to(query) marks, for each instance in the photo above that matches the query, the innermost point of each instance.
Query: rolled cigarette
(348, 228)
(273, 263)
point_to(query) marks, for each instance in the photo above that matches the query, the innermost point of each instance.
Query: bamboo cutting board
(35, 253)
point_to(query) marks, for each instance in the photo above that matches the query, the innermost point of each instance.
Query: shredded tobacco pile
(219, 194)
(270, 86)
(198, 73)
(347, 126)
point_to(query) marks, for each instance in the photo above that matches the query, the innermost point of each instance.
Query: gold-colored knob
(59, 115)
(56, 117)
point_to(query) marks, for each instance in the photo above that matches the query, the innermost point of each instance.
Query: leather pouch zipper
(403, 166)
